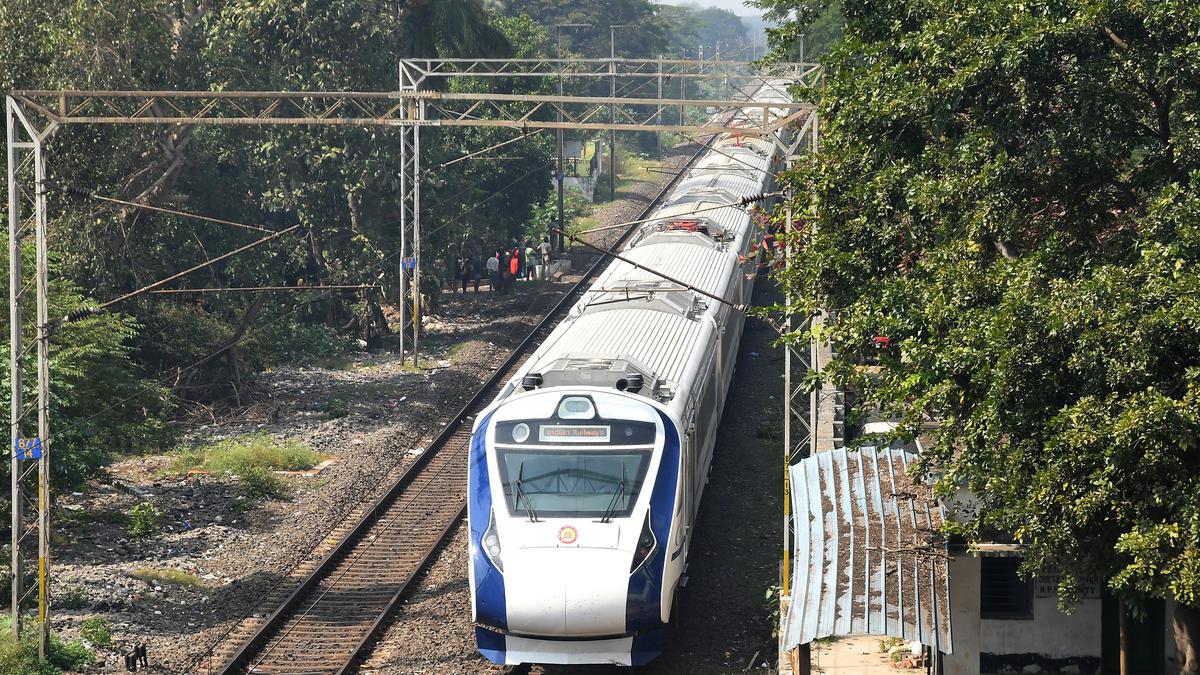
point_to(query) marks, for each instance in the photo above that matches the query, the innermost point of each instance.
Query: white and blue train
(587, 470)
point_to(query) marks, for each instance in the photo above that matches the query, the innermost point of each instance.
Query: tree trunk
(1186, 626)
(1123, 640)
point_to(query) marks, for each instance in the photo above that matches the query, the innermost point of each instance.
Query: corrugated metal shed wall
(868, 558)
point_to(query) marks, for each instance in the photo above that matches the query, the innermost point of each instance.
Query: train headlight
(576, 408)
(491, 543)
(520, 433)
(645, 546)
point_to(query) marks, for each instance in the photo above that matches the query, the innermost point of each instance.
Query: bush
(22, 657)
(335, 408)
(95, 630)
(70, 655)
(102, 402)
(259, 483)
(73, 598)
(144, 520)
(238, 455)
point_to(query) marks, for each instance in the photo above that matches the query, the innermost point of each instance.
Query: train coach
(586, 471)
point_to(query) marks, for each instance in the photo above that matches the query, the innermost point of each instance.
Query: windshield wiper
(612, 504)
(520, 488)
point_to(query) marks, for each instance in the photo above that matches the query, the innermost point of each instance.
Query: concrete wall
(1049, 633)
(964, 617)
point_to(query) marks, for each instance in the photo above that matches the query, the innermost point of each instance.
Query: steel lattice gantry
(391, 109)
(33, 116)
(418, 70)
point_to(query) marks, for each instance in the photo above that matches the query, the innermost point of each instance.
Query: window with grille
(1003, 594)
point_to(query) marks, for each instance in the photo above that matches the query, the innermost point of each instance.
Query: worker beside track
(493, 268)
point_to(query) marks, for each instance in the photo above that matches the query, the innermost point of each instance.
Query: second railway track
(335, 612)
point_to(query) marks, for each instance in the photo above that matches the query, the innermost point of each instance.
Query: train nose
(567, 592)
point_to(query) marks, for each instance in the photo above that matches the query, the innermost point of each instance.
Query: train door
(683, 508)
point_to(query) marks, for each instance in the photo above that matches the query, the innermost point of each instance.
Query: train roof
(661, 341)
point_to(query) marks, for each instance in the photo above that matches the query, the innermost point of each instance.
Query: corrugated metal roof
(868, 557)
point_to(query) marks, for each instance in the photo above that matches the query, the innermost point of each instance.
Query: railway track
(335, 612)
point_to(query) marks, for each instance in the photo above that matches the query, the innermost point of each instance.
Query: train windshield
(563, 483)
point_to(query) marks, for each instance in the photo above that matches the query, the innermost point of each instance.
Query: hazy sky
(734, 6)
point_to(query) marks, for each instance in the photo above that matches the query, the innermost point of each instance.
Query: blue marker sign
(28, 448)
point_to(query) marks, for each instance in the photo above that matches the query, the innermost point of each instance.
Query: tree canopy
(1010, 192)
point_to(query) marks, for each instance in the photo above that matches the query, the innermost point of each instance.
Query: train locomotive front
(571, 497)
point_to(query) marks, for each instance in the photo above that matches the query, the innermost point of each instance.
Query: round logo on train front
(567, 534)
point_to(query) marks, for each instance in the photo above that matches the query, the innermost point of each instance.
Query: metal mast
(30, 454)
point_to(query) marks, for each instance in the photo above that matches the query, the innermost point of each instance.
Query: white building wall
(964, 617)
(1049, 633)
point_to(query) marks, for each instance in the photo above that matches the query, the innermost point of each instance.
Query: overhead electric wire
(248, 333)
(637, 265)
(87, 311)
(528, 134)
(80, 192)
(524, 135)
(255, 289)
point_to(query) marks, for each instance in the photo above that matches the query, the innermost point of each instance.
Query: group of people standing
(505, 265)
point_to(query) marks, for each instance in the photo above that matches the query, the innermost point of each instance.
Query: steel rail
(437, 461)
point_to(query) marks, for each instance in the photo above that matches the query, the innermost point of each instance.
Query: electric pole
(612, 92)
(556, 240)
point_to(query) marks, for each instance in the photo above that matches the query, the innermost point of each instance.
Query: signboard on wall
(1047, 584)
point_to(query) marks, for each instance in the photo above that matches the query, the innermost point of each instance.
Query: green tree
(101, 404)
(1011, 193)
(690, 27)
(641, 37)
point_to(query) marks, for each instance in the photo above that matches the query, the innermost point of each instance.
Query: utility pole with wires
(612, 93)
(658, 113)
(556, 241)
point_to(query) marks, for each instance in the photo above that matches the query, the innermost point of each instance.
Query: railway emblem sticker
(567, 534)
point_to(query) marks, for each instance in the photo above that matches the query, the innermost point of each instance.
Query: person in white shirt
(493, 268)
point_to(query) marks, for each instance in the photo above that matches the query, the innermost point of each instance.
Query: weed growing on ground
(95, 630)
(771, 604)
(73, 598)
(236, 455)
(167, 576)
(259, 483)
(144, 521)
(252, 459)
(335, 408)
